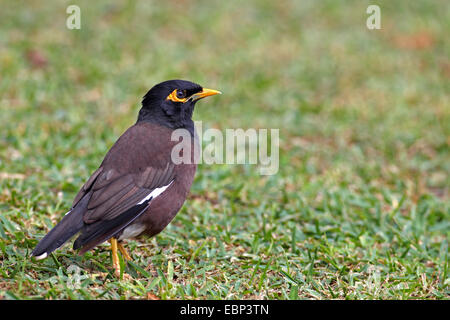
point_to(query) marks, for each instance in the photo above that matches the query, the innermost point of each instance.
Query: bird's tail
(63, 231)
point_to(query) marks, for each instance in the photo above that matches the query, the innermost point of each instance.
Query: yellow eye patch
(177, 96)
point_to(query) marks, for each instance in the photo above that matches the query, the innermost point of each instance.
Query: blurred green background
(360, 206)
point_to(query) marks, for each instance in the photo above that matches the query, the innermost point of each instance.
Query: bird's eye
(181, 94)
(177, 96)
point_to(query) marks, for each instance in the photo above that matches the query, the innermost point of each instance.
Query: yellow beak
(204, 93)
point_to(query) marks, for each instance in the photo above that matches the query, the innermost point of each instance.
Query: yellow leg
(124, 252)
(115, 256)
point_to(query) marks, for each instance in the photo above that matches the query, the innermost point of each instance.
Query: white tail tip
(42, 256)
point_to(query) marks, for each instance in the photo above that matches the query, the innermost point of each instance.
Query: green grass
(359, 208)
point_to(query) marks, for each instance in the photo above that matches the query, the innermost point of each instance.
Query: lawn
(359, 208)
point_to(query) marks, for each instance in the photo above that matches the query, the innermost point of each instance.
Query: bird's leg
(115, 256)
(124, 252)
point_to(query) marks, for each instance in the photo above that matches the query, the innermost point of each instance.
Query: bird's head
(171, 103)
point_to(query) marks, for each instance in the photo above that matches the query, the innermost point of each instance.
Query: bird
(139, 186)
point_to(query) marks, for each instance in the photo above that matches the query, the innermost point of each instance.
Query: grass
(359, 208)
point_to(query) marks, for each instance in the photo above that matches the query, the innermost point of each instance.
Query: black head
(171, 103)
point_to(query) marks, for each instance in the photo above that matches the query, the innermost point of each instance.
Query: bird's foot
(124, 252)
(115, 256)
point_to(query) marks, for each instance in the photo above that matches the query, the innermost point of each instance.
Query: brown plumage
(137, 189)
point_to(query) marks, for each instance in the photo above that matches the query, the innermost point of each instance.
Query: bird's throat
(162, 119)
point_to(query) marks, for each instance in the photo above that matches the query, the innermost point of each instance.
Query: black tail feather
(63, 231)
(98, 232)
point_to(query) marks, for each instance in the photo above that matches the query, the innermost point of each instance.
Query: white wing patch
(156, 192)
(136, 229)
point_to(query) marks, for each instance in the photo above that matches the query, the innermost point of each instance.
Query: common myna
(138, 188)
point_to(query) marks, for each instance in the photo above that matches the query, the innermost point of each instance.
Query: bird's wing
(113, 193)
(130, 177)
(138, 165)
